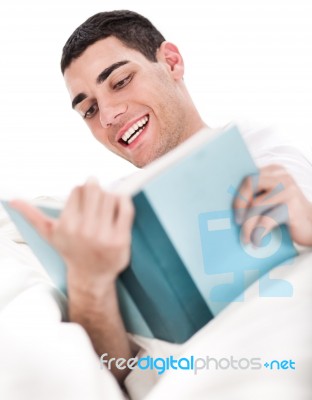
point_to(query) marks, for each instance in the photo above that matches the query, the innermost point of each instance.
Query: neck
(195, 124)
(194, 120)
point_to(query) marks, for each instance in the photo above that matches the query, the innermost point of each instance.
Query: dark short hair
(132, 29)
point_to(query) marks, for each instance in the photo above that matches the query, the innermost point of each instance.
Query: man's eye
(124, 82)
(91, 111)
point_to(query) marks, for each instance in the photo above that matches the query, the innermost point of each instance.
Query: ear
(169, 53)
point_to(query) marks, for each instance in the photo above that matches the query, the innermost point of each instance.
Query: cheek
(169, 115)
(168, 103)
(98, 132)
(101, 136)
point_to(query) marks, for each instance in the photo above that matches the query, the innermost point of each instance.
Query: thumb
(41, 222)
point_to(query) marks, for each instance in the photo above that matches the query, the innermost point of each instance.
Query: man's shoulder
(259, 136)
(272, 144)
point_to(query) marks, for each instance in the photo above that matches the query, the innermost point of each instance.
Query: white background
(244, 58)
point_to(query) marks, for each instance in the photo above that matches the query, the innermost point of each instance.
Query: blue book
(188, 261)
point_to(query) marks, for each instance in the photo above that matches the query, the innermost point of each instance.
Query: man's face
(136, 108)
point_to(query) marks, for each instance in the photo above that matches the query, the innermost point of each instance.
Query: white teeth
(133, 128)
(134, 136)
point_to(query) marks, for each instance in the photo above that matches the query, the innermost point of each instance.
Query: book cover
(187, 257)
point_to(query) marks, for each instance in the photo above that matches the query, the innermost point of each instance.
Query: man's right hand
(93, 234)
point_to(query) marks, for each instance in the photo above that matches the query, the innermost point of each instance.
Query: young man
(126, 81)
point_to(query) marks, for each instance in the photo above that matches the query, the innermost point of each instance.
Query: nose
(110, 114)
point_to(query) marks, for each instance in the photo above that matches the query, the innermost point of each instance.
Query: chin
(146, 159)
(140, 164)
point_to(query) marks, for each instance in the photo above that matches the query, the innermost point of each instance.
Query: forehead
(98, 56)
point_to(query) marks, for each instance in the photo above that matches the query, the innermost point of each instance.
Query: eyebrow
(107, 71)
(78, 99)
(100, 79)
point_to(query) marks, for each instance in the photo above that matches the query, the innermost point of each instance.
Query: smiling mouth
(134, 131)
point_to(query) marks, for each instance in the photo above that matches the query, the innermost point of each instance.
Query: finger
(278, 195)
(107, 215)
(41, 222)
(125, 215)
(258, 226)
(89, 193)
(270, 181)
(248, 227)
(244, 197)
(279, 214)
(256, 211)
(91, 205)
(72, 210)
(273, 179)
(266, 224)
